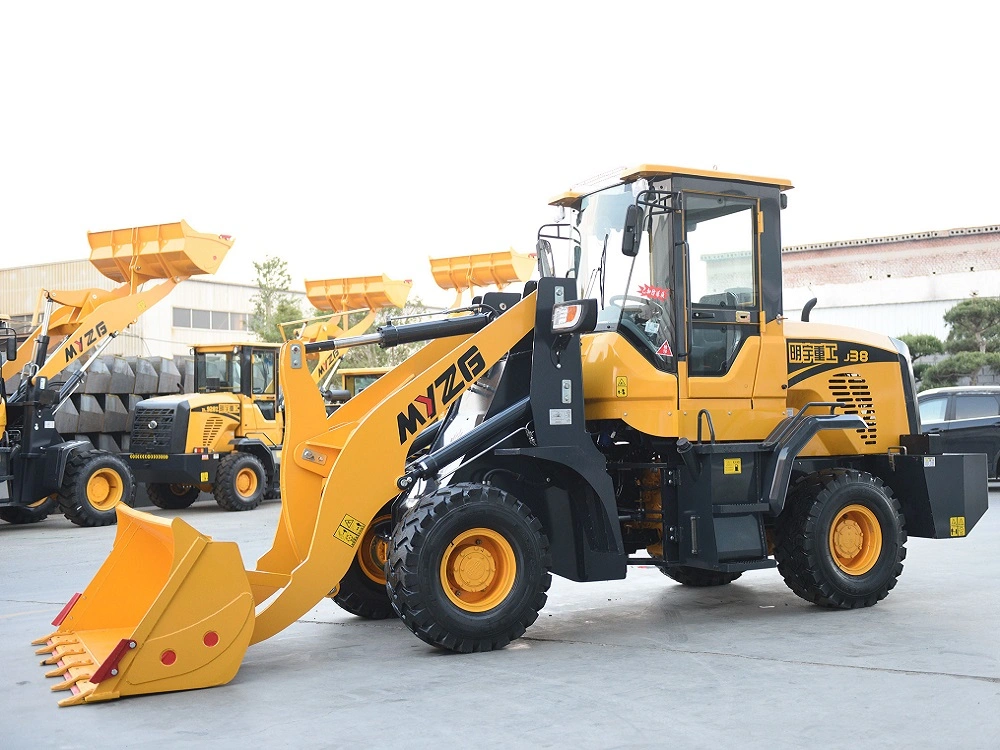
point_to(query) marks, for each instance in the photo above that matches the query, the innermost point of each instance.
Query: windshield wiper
(603, 268)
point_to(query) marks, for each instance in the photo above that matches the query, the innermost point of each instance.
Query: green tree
(272, 303)
(975, 325)
(922, 345)
(973, 343)
(961, 365)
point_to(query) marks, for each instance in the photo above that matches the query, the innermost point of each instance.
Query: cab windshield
(216, 371)
(633, 293)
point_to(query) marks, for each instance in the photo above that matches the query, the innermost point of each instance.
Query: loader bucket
(160, 251)
(358, 292)
(483, 269)
(169, 609)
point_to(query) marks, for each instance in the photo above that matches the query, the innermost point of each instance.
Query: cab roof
(571, 198)
(228, 347)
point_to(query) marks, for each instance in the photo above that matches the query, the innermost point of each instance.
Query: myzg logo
(76, 348)
(446, 388)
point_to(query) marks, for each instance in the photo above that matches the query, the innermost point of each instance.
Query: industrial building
(201, 310)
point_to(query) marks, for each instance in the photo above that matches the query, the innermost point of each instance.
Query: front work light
(575, 316)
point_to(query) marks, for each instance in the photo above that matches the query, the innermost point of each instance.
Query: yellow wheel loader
(43, 470)
(645, 402)
(226, 437)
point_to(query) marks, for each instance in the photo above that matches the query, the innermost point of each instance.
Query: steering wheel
(622, 300)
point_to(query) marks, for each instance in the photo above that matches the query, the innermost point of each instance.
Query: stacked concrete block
(67, 418)
(97, 379)
(91, 419)
(115, 416)
(102, 408)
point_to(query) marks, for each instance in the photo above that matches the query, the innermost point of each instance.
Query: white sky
(356, 138)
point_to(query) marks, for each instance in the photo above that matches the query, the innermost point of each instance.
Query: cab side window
(720, 236)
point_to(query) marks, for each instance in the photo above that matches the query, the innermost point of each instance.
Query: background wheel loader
(226, 437)
(646, 396)
(44, 470)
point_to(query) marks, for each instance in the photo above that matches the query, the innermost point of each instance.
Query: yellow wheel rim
(478, 570)
(105, 489)
(179, 489)
(41, 502)
(373, 550)
(246, 482)
(855, 540)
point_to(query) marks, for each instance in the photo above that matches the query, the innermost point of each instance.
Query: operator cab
(684, 264)
(247, 369)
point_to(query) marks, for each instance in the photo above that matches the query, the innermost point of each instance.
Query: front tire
(240, 482)
(362, 591)
(172, 496)
(840, 542)
(93, 486)
(468, 568)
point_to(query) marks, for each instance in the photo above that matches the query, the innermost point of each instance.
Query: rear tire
(172, 496)
(94, 484)
(240, 482)
(840, 542)
(362, 591)
(24, 514)
(468, 568)
(699, 576)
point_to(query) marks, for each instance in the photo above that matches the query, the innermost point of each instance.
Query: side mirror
(632, 233)
(10, 343)
(546, 266)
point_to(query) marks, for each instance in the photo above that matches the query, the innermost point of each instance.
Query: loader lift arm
(184, 599)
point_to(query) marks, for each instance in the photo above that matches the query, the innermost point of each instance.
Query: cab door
(265, 423)
(719, 239)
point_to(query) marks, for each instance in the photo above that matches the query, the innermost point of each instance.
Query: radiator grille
(151, 429)
(851, 389)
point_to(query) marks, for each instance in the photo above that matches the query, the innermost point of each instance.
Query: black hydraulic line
(432, 329)
(495, 425)
(389, 336)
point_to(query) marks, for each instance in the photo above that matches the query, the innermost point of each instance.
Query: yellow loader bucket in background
(483, 269)
(169, 609)
(159, 251)
(358, 292)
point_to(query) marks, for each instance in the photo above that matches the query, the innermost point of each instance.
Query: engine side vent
(213, 426)
(851, 389)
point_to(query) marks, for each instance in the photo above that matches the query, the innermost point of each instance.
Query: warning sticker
(621, 386)
(204, 476)
(732, 466)
(665, 350)
(349, 531)
(958, 525)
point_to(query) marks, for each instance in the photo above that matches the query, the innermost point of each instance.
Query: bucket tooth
(58, 654)
(46, 639)
(69, 663)
(69, 683)
(77, 698)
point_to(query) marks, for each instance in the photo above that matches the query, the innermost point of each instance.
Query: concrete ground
(637, 663)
